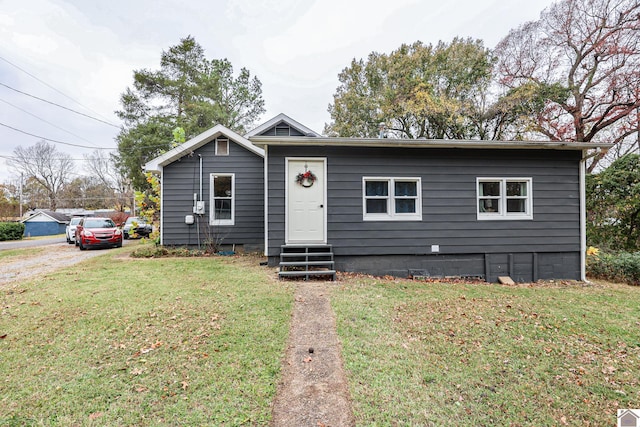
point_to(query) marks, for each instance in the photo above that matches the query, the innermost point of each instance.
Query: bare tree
(575, 71)
(104, 168)
(34, 195)
(87, 192)
(46, 166)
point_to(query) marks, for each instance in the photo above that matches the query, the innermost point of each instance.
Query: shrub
(620, 267)
(153, 251)
(150, 251)
(11, 231)
(613, 205)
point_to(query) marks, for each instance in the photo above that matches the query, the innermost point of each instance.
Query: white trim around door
(306, 200)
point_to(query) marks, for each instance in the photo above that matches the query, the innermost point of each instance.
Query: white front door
(306, 200)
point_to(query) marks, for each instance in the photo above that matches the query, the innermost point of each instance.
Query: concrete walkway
(314, 390)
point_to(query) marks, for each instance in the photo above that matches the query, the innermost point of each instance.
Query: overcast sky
(81, 54)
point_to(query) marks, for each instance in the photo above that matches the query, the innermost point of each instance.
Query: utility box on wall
(199, 208)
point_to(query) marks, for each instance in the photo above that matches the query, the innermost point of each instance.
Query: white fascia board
(198, 141)
(277, 119)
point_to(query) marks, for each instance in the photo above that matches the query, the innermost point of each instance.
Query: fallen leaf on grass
(608, 370)
(154, 346)
(95, 415)
(563, 420)
(3, 336)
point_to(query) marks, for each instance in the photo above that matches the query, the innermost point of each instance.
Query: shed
(45, 223)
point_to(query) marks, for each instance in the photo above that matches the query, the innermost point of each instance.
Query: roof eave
(156, 165)
(264, 141)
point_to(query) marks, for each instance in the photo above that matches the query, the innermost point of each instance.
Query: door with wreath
(306, 201)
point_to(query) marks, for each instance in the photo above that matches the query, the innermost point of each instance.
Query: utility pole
(20, 194)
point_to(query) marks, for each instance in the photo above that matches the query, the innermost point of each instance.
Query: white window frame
(391, 214)
(219, 151)
(502, 213)
(212, 198)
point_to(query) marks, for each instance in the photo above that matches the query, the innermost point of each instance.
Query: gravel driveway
(53, 257)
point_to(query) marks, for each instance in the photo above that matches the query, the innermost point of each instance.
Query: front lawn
(434, 354)
(145, 342)
(199, 341)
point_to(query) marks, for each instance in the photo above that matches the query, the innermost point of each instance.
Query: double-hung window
(391, 199)
(222, 199)
(504, 198)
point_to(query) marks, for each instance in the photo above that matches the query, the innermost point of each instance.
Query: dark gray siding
(448, 208)
(181, 180)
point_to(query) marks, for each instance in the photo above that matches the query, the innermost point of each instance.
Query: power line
(53, 140)
(49, 86)
(35, 158)
(58, 105)
(46, 121)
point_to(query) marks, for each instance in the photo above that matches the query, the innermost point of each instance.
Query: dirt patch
(313, 390)
(54, 257)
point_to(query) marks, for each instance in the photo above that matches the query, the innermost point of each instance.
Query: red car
(98, 233)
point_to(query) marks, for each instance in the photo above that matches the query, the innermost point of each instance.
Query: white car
(71, 229)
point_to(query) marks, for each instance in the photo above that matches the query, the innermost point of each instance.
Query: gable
(282, 129)
(198, 141)
(47, 216)
(282, 125)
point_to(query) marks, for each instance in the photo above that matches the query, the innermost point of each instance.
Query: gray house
(212, 187)
(389, 206)
(212, 191)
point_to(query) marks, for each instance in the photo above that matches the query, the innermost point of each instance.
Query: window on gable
(222, 147)
(504, 198)
(222, 199)
(391, 199)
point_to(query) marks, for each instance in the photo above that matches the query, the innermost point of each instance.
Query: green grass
(199, 341)
(51, 236)
(488, 355)
(145, 342)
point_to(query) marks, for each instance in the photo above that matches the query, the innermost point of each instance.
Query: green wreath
(306, 178)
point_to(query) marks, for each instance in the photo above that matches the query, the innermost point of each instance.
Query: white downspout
(161, 177)
(266, 202)
(198, 215)
(583, 217)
